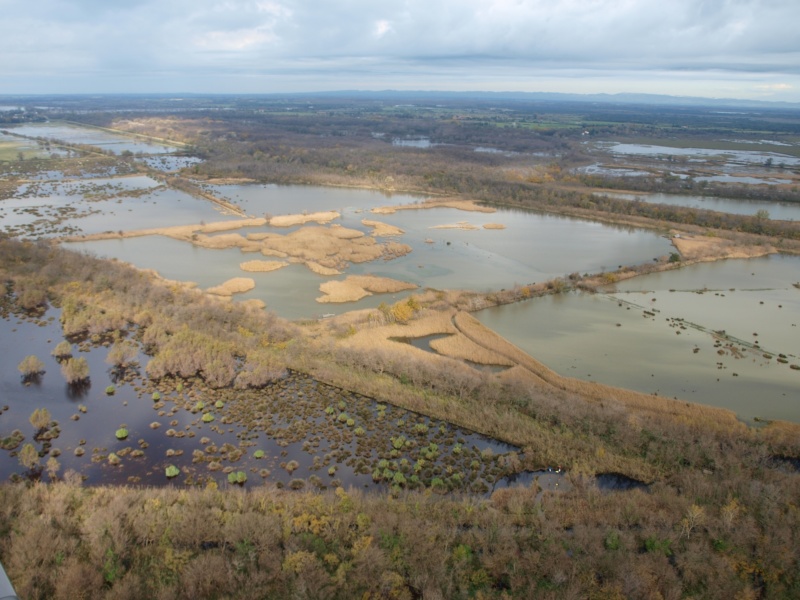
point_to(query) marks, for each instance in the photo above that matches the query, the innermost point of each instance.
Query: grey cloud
(394, 38)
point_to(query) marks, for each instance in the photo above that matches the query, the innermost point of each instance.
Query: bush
(75, 370)
(172, 471)
(121, 433)
(30, 366)
(62, 350)
(110, 390)
(122, 354)
(40, 419)
(28, 456)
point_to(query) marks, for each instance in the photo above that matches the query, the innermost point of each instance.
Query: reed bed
(461, 347)
(236, 285)
(262, 266)
(301, 219)
(355, 287)
(457, 203)
(381, 229)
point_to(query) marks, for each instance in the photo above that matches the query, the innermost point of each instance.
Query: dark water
(310, 434)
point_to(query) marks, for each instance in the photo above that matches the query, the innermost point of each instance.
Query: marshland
(327, 325)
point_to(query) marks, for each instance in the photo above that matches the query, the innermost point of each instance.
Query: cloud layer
(734, 48)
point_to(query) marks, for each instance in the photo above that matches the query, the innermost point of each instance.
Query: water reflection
(651, 337)
(531, 248)
(295, 433)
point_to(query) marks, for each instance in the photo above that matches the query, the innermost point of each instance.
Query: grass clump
(237, 477)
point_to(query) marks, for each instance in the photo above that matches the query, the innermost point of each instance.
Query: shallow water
(748, 157)
(260, 199)
(777, 210)
(74, 134)
(611, 339)
(532, 248)
(296, 419)
(103, 204)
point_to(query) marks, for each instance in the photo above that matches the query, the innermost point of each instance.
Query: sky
(747, 49)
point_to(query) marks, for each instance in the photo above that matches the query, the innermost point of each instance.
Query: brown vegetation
(236, 285)
(355, 287)
(262, 266)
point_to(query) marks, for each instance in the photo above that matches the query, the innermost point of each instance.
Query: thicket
(185, 333)
(715, 540)
(720, 519)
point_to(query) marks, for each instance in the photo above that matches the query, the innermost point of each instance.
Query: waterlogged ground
(656, 334)
(730, 157)
(106, 140)
(86, 206)
(296, 432)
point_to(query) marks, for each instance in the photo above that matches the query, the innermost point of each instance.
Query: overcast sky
(713, 48)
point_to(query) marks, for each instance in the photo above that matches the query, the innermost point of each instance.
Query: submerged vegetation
(707, 507)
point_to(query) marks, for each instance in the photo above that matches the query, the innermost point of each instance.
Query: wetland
(264, 339)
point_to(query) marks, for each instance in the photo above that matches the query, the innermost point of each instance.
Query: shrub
(258, 454)
(172, 471)
(207, 418)
(30, 366)
(121, 433)
(75, 370)
(611, 541)
(40, 419)
(62, 350)
(122, 354)
(110, 390)
(28, 456)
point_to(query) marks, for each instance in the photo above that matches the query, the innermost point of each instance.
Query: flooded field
(106, 140)
(724, 334)
(296, 432)
(12, 148)
(86, 206)
(728, 156)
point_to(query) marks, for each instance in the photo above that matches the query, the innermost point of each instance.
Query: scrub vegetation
(714, 512)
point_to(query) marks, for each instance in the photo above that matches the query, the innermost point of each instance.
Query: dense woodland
(719, 518)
